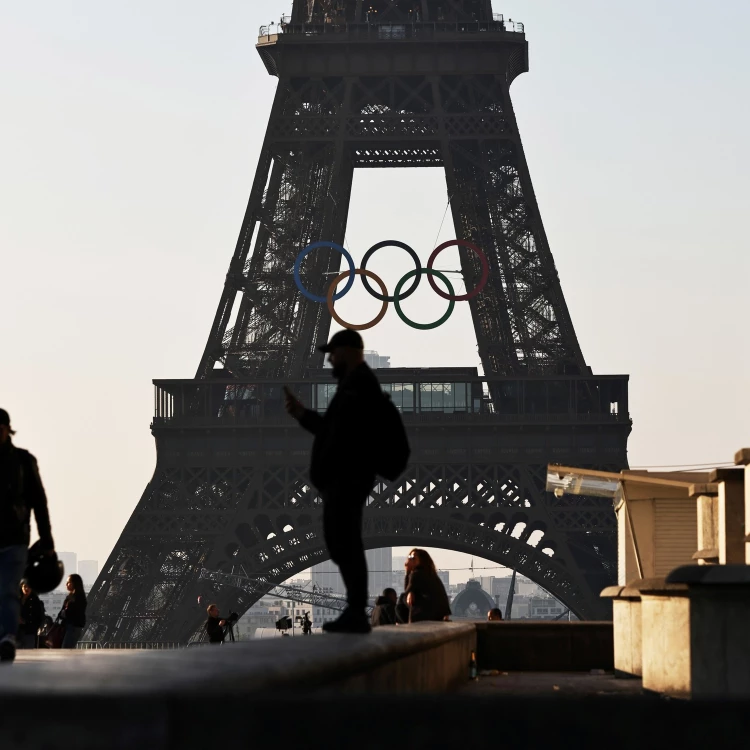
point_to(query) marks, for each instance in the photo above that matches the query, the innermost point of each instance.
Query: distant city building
(70, 562)
(375, 361)
(88, 570)
(53, 602)
(520, 609)
(445, 577)
(472, 602)
(397, 578)
(258, 616)
(545, 608)
(327, 580)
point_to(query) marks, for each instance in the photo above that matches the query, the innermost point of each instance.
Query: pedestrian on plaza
(425, 593)
(21, 491)
(384, 611)
(495, 615)
(342, 466)
(73, 613)
(307, 624)
(215, 626)
(32, 616)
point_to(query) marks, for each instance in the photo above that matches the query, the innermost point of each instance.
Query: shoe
(7, 649)
(349, 622)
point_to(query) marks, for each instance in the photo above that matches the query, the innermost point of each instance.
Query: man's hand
(222, 623)
(294, 407)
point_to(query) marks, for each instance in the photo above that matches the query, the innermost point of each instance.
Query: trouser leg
(12, 564)
(342, 529)
(72, 636)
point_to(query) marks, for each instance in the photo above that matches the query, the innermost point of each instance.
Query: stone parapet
(518, 645)
(626, 615)
(731, 506)
(742, 458)
(665, 633)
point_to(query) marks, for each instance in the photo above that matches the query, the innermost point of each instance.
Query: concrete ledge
(545, 646)
(425, 657)
(711, 575)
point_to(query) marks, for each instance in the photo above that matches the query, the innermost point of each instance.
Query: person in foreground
(74, 611)
(384, 611)
(21, 491)
(424, 591)
(342, 467)
(495, 615)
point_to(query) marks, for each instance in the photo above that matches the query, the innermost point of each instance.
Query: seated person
(384, 611)
(495, 615)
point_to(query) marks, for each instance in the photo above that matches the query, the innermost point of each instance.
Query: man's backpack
(392, 448)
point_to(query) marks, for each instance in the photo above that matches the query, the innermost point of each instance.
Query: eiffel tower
(381, 83)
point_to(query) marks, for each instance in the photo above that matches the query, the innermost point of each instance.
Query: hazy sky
(129, 137)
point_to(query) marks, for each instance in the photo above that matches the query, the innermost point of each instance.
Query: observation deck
(451, 415)
(423, 396)
(280, 44)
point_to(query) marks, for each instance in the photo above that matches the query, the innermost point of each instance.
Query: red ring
(485, 271)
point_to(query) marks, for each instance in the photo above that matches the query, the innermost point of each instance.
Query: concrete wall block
(627, 637)
(665, 621)
(719, 643)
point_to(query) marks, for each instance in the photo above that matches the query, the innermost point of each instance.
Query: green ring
(397, 301)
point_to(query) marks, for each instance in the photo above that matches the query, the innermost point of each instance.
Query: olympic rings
(485, 270)
(303, 255)
(414, 257)
(397, 298)
(359, 272)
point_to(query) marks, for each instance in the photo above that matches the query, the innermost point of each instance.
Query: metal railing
(314, 597)
(422, 398)
(390, 30)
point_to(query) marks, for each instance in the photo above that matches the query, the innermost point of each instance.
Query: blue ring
(303, 255)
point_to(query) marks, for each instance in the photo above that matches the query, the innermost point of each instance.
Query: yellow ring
(341, 321)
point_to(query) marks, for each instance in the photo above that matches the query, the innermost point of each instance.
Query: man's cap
(347, 337)
(4, 418)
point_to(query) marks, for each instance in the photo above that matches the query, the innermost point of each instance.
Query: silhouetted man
(384, 611)
(495, 615)
(21, 491)
(342, 467)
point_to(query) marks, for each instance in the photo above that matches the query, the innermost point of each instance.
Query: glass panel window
(444, 397)
(324, 393)
(402, 395)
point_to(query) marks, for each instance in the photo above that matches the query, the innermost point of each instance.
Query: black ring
(414, 257)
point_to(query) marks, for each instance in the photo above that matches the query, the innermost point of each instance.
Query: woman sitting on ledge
(424, 596)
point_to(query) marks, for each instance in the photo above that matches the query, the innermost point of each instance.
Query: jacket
(214, 631)
(21, 491)
(74, 611)
(384, 612)
(344, 435)
(430, 602)
(32, 614)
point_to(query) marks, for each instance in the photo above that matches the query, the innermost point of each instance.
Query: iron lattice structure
(397, 84)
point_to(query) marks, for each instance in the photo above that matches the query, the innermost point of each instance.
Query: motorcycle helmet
(44, 571)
